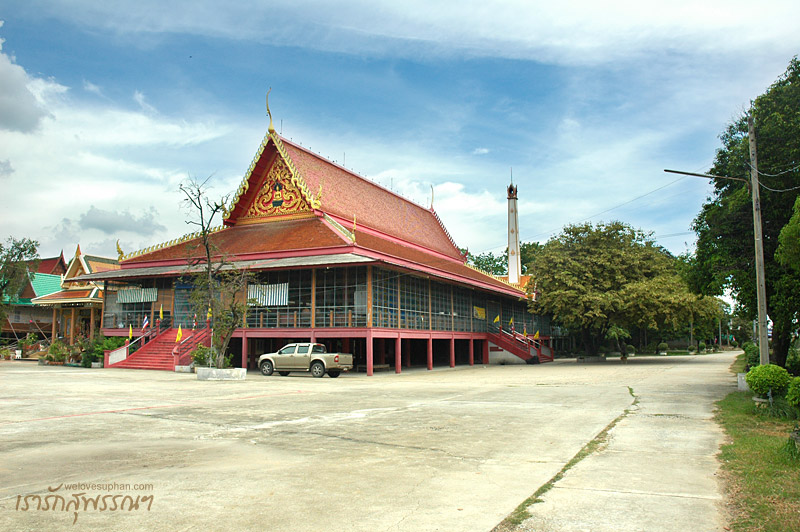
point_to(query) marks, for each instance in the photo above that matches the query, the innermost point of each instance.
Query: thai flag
(145, 323)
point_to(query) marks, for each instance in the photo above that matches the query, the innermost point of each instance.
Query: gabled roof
(82, 264)
(319, 184)
(52, 265)
(294, 203)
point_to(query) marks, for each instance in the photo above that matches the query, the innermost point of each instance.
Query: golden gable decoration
(280, 195)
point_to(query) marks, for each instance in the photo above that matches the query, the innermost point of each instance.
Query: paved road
(448, 450)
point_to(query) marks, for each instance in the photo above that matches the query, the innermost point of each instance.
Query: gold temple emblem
(279, 195)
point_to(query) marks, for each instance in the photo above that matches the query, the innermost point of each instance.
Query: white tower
(514, 267)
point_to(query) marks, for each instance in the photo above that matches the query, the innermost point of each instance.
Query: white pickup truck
(305, 357)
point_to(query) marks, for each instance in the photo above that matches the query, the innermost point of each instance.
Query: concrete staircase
(530, 350)
(155, 354)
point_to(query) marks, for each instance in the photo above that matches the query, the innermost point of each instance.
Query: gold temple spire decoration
(119, 251)
(271, 127)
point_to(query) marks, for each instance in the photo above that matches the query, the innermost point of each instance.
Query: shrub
(763, 379)
(662, 347)
(793, 363)
(734, 344)
(58, 351)
(793, 395)
(752, 354)
(691, 349)
(701, 347)
(203, 356)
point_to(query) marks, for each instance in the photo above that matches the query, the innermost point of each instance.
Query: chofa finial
(271, 127)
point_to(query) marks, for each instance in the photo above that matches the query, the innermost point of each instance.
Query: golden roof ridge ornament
(271, 128)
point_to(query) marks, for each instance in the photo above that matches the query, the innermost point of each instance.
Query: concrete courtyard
(448, 450)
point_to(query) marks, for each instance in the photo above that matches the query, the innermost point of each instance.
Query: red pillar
(381, 350)
(244, 351)
(370, 367)
(471, 351)
(485, 351)
(452, 352)
(430, 353)
(397, 354)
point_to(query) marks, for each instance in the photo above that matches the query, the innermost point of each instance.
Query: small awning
(137, 295)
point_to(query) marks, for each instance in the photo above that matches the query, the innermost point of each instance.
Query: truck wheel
(267, 368)
(317, 369)
(333, 373)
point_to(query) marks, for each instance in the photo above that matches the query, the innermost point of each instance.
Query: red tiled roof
(100, 264)
(242, 240)
(347, 195)
(52, 265)
(444, 264)
(66, 294)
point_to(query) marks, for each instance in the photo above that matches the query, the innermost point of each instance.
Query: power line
(616, 206)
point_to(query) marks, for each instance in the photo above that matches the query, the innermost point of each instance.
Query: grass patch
(521, 513)
(762, 479)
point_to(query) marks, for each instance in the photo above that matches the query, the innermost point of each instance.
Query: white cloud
(139, 98)
(105, 171)
(567, 32)
(480, 151)
(19, 108)
(88, 86)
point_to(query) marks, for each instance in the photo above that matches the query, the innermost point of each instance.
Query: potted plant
(57, 353)
(662, 348)
(28, 342)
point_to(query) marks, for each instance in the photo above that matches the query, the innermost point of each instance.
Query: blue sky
(105, 107)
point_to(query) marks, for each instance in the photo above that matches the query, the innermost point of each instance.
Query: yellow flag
(130, 332)
(536, 336)
(208, 315)
(161, 312)
(511, 321)
(497, 319)
(180, 334)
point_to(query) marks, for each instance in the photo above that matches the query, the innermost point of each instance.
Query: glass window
(341, 298)
(303, 349)
(384, 298)
(280, 299)
(288, 350)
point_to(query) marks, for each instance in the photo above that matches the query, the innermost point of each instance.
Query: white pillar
(514, 265)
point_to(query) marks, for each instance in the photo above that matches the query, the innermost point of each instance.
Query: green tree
(498, 264)
(17, 259)
(488, 262)
(598, 280)
(725, 252)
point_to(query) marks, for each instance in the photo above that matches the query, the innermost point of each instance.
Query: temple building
(340, 260)
(76, 307)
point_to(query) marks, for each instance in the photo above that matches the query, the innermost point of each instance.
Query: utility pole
(761, 286)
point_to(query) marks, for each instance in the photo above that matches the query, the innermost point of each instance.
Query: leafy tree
(610, 278)
(725, 250)
(527, 252)
(16, 258)
(489, 262)
(219, 288)
(498, 264)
